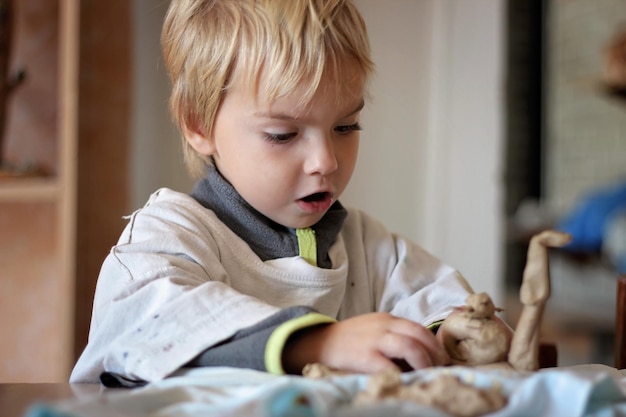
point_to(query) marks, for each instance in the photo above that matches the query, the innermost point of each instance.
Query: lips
(316, 202)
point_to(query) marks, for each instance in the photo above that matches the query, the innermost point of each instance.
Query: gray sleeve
(246, 348)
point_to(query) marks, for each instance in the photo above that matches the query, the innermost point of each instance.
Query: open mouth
(316, 197)
(316, 202)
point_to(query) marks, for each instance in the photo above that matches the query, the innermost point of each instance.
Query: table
(15, 399)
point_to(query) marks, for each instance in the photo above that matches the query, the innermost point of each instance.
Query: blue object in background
(589, 221)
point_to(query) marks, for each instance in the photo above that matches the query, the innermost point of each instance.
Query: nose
(321, 158)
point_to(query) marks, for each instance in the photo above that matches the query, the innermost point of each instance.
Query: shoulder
(172, 231)
(170, 200)
(173, 218)
(361, 223)
(172, 212)
(169, 204)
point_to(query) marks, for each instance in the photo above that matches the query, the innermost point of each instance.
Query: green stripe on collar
(307, 245)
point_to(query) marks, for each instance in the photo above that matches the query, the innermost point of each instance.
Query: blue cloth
(588, 221)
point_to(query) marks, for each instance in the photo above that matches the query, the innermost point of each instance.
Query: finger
(425, 337)
(407, 348)
(373, 362)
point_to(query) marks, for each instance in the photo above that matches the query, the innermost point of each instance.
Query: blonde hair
(207, 43)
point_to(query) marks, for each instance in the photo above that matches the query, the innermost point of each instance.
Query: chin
(298, 220)
(303, 223)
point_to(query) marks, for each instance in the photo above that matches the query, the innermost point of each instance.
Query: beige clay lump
(446, 392)
(473, 336)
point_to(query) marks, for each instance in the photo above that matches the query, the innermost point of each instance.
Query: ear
(199, 141)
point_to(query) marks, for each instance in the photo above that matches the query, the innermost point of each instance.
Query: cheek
(348, 153)
(268, 177)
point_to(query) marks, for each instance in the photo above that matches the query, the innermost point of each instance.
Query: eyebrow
(286, 116)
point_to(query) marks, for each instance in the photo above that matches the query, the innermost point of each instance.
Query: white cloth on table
(585, 390)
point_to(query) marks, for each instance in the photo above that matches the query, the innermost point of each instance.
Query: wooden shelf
(38, 213)
(55, 230)
(28, 189)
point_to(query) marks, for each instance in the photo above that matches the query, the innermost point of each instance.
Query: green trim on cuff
(278, 339)
(433, 327)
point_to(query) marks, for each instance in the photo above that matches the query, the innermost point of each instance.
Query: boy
(261, 266)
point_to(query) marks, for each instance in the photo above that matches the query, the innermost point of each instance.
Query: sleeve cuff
(278, 339)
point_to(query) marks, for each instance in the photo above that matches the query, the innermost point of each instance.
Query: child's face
(289, 163)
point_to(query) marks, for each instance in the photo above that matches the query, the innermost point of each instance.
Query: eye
(279, 137)
(348, 128)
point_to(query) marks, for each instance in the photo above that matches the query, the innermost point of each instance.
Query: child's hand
(368, 343)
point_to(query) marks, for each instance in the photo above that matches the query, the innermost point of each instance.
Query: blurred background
(490, 120)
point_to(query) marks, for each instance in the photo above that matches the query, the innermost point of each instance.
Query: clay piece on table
(446, 392)
(473, 336)
(318, 370)
(534, 293)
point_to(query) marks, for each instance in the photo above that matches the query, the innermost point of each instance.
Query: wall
(156, 155)
(468, 138)
(389, 177)
(430, 150)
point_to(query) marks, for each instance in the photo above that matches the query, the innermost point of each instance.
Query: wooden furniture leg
(620, 324)
(548, 355)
